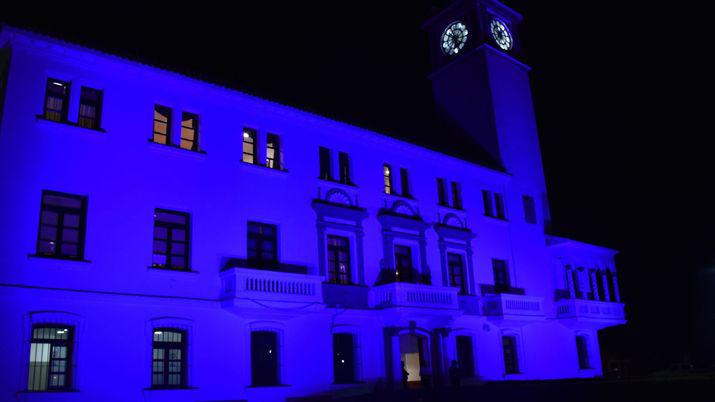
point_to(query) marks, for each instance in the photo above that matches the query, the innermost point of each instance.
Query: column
(616, 292)
(606, 288)
(569, 283)
(594, 283)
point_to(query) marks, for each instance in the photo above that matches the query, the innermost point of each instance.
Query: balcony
(589, 313)
(400, 294)
(254, 288)
(514, 308)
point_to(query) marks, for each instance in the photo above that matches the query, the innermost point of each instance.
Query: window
(162, 125)
(169, 358)
(50, 358)
(273, 151)
(249, 146)
(262, 245)
(441, 192)
(343, 358)
(339, 260)
(582, 350)
(90, 108)
(62, 225)
(326, 171)
(465, 355)
(171, 240)
(493, 204)
(57, 96)
(264, 358)
(344, 165)
(189, 131)
(578, 294)
(529, 209)
(511, 359)
(456, 195)
(405, 182)
(403, 264)
(501, 276)
(455, 263)
(387, 173)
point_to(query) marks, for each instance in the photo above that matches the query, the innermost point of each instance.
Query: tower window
(50, 358)
(455, 263)
(264, 358)
(273, 151)
(189, 131)
(493, 204)
(501, 276)
(326, 171)
(171, 240)
(162, 125)
(57, 96)
(441, 192)
(343, 358)
(387, 174)
(511, 358)
(405, 182)
(62, 225)
(262, 245)
(339, 260)
(344, 165)
(582, 350)
(90, 108)
(529, 209)
(169, 358)
(456, 195)
(249, 146)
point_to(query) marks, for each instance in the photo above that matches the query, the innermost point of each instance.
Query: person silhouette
(454, 374)
(405, 374)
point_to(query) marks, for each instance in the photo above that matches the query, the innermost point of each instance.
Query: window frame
(169, 121)
(388, 186)
(442, 197)
(250, 138)
(194, 128)
(451, 271)
(582, 352)
(64, 112)
(166, 359)
(273, 143)
(511, 366)
(456, 195)
(170, 226)
(96, 122)
(333, 251)
(326, 168)
(60, 227)
(344, 168)
(501, 266)
(529, 204)
(68, 343)
(405, 183)
(412, 277)
(258, 261)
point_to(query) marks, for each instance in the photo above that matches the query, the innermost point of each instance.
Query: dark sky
(623, 108)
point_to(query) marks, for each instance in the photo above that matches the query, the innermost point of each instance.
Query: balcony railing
(243, 283)
(513, 305)
(413, 295)
(589, 309)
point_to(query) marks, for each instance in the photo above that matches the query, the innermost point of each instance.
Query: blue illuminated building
(167, 239)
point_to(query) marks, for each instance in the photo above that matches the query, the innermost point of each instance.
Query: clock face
(454, 37)
(500, 34)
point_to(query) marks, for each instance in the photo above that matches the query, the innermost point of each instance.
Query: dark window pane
(325, 164)
(171, 240)
(61, 231)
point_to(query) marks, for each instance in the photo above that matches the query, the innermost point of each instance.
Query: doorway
(414, 355)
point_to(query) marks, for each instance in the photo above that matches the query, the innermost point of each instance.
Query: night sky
(623, 108)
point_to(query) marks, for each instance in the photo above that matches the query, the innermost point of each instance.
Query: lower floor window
(582, 349)
(264, 358)
(344, 358)
(50, 358)
(511, 359)
(168, 358)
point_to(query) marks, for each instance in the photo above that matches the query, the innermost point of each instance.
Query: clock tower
(480, 85)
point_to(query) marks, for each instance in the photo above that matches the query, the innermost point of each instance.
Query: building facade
(167, 239)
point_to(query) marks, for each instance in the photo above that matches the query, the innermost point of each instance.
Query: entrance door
(414, 355)
(465, 355)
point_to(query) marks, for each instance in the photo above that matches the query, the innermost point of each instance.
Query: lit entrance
(414, 356)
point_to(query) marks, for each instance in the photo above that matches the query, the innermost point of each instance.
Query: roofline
(292, 111)
(566, 242)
